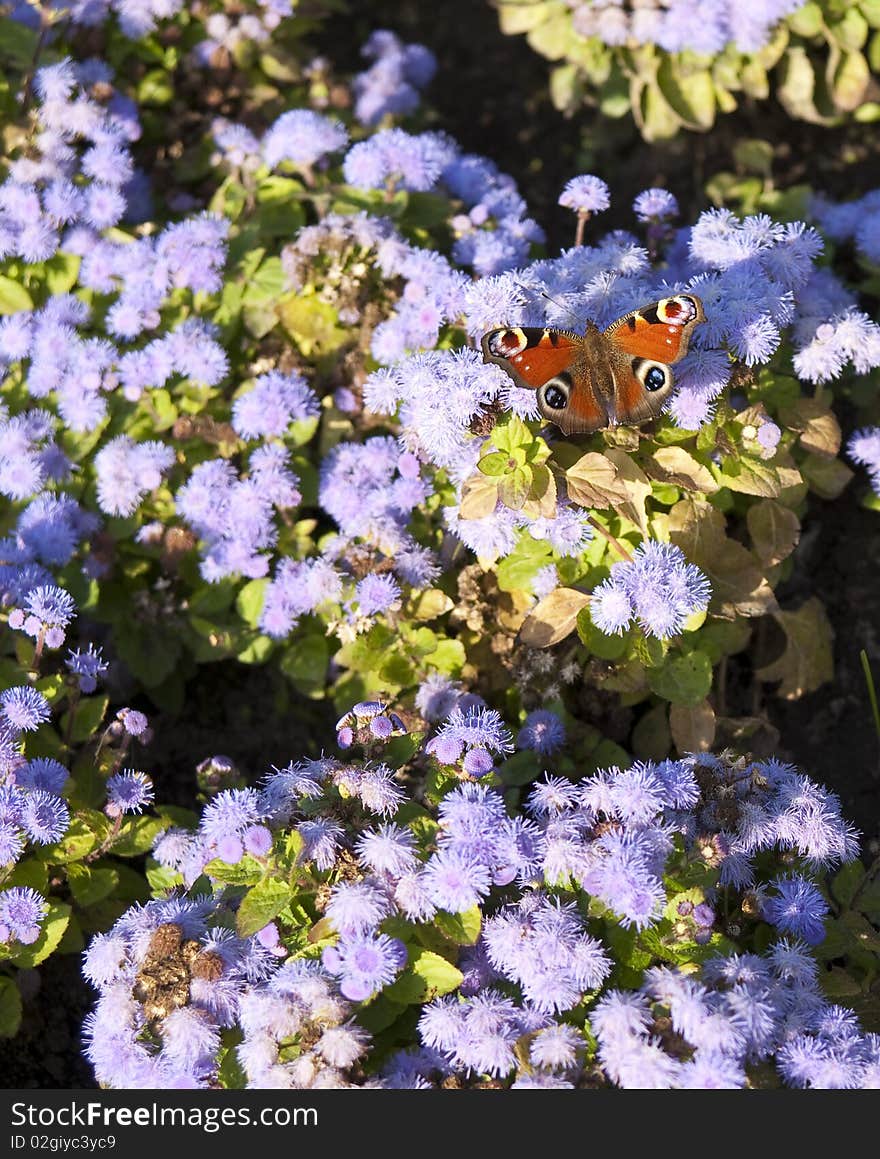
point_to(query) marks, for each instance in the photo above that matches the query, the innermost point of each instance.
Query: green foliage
(818, 63)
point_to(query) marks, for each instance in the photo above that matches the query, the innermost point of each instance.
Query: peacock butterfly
(605, 377)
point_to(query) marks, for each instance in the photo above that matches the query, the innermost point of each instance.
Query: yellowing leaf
(775, 531)
(692, 726)
(677, 466)
(554, 618)
(593, 482)
(637, 487)
(739, 587)
(479, 497)
(430, 604)
(806, 662)
(819, 429)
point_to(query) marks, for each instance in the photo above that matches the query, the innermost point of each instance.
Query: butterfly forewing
(661, 331)
(531, 354)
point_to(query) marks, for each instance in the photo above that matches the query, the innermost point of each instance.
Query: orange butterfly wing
(659, 332)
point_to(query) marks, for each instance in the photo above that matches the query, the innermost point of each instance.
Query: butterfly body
(601, 378)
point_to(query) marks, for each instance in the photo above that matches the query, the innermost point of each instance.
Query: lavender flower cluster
(382, 868)
(393, 82)
(670, 23)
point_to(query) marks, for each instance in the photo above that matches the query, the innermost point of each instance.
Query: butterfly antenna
(565, 309)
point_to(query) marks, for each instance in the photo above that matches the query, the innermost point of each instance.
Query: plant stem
(622, 551)
(872, 691)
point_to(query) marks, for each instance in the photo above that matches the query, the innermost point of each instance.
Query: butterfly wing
(641, 347)
(556, 365)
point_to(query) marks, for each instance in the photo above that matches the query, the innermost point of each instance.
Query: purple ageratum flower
(585, 194)
(388, 849)
(655, 204)
(798, 909)
(658, 587)
(478, 1035)
(364, 963)
(544, 946)
(135, 723)
(88, 666)
(542, 731)
(863, 448)
(392, 84)
(322, 839)
(47, 610)
(127, 471)
(376, 593)
(480, 728)
(22, 911)
(436, 697)
(44, 817)
(42, 773)
(302, 137)
(276, 401)
(230, 813)
(415, 161)
(128, 792)
(24, 709)
(455, 882)
(358, 906)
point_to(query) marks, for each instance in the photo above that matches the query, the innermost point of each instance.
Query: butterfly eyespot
(506, 343)
(555, 395)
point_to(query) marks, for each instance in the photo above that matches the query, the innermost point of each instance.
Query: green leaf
(552, 37)
(519, 769)
(312, 324)
(797, 85)
(263, 903)
(156, 88)
(137, 835)
(851, 31)
(151, 652)
(683, 679)
(51, 933)
(610, 647)
(79, 840)
(657, 119)
(463, 928)
(806, 21)
(62, 271)
(90, 884)
(516, 571)
(18, 42)
(846, 882)
(690, 94)
(88, 715)
(247, 871)
(13, 297)
(10, 1008)
(249, 603)
(495, 463)
(305, 661)
(849, 81)
(427, 976)
(750, 477)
